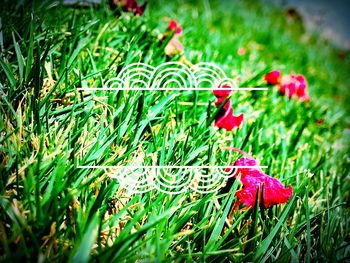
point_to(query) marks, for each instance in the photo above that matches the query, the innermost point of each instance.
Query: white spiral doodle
(200, 179)
(171, 76)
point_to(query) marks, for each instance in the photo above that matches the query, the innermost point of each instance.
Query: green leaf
(264, 246)
(82, 252)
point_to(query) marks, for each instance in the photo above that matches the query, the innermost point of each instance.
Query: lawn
(53, 122)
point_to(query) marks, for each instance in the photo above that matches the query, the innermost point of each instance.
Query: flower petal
(174, 26)
(272, 190)
(273, 77)
(294, 85)
(222, 93)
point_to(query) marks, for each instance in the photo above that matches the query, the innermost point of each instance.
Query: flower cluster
(272, 191)
(128, 6)
(225, 118)
(174, 46)
(289, 85)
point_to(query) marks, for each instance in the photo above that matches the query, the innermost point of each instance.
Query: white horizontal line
(171, 89)
(168, 166)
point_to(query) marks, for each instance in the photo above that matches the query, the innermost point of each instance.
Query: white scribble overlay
(171, 179)
(171, 76)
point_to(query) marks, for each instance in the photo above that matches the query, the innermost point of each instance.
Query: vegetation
(52, 210)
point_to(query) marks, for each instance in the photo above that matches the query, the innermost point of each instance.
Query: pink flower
(294, 85)
(287, 86)
(174, 46)
(273, 77)
(272, 190)
(301, 88)
(241, 51)
(174, 26)
(129, 6)
(225, 118)
(290, 85)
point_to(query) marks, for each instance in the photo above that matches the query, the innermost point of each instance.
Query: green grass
(53, 211)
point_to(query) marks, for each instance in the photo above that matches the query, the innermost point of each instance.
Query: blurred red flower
(128, 6)
(225, 118)
(290, 85)
(294, 85)
(223, 92)
(174, 46)
(174, 26)
(272, 190)
(273, 77)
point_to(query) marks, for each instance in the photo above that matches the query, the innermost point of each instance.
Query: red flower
(287, 86)
(273, 77)
(174, 26)
(222, 93)
(271, 189)
(294, 85)
(301, 88)
(291, 85)
(225, 118)
(174, 46)
(128, 6)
